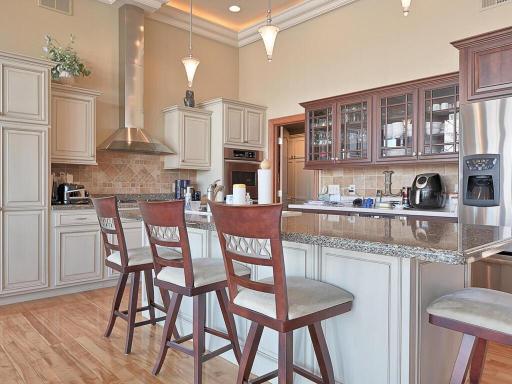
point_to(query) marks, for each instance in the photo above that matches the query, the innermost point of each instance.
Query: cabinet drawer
(78, 219)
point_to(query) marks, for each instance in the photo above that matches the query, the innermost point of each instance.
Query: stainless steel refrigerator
(485, 181)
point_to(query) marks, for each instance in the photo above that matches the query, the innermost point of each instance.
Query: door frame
(273, 149)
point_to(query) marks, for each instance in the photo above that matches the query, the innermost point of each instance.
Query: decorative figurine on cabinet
(189, 99)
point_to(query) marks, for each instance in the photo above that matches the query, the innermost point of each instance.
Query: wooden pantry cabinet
(73, 136)
(411, 122)
(24, 90)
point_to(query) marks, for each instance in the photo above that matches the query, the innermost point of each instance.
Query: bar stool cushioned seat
(140, 256)
(480, 307)
(206, 271)
(305, 296)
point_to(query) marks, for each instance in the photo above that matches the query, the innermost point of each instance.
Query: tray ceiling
(252, 11)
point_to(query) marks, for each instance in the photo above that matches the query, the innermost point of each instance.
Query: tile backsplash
(370, 178)
(125, 173)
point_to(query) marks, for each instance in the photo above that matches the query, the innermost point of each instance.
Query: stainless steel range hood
(131, 137)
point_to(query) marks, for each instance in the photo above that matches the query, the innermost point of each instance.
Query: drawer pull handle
(81, 218)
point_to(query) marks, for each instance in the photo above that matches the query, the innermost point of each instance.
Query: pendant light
(190, 62)
(269, 33)
(406, 5)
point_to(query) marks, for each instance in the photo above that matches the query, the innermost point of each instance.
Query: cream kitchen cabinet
(73, 134)
(78, 254)
(24, 250)
(24, 114)
(24, 83)
(242, 124)
(188, 133)
(24, 166)
(77, 246)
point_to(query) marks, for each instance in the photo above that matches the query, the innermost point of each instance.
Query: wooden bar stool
(252, 235)
(165, 227)
(481, 315)
(126, 262)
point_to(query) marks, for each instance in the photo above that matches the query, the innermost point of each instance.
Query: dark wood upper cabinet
(353, 132)
(486, 65)
(406, 123)
(320, 137)
(439, 127)
(396, 116)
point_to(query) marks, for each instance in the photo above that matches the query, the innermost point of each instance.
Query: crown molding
(147, 5)
(202, 27)
(289, 18)
(293, 16)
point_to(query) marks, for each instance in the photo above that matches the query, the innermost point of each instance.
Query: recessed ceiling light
(234, 8)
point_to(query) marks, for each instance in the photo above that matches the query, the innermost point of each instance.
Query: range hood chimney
(131, 137)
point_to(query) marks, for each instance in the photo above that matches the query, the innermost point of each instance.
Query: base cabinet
(24, 262)
(384, 339)
(78, 254)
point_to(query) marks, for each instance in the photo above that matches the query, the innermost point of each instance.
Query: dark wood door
(354, 130)
(396, 125)
(320, 136)
(439, 128)
(486, 65)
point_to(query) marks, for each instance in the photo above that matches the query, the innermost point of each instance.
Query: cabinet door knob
(419, 153)
(414, 153)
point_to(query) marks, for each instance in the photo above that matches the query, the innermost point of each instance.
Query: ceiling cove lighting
(234, 8)
(190, 62)
(269, 33)
(406, 5)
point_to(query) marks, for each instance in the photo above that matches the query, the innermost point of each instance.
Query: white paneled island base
(386, 337)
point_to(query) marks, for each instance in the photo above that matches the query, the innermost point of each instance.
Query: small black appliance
(68, 193)
(427, 191)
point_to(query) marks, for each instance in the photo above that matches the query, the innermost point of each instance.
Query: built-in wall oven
(241, 167)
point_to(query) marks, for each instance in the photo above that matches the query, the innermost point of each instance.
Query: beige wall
(165, 81)
(363, 45)
(23, 26)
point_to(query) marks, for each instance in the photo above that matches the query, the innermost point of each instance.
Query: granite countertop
(428, 240)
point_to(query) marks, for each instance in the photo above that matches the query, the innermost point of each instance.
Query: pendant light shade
(190, 62)
(406, 5)
(269, 33)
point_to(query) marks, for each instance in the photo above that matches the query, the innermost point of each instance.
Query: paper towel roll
(264, 186)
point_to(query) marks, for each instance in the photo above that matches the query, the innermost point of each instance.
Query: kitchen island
(393, 267)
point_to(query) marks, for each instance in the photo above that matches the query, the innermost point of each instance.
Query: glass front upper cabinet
(440, 126)
(320, 135)
(396, 136)
(354, 132)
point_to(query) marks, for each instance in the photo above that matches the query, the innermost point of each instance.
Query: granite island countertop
(427, 240)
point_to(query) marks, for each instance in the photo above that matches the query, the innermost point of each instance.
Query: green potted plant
(68, 64)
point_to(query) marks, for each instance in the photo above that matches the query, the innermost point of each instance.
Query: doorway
(287, 147)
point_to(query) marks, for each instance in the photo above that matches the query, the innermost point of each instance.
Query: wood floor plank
(60, 340)
(8, 371)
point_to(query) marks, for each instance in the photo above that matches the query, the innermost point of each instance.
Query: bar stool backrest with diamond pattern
(110, 224)
(253, 237)
(165, 227)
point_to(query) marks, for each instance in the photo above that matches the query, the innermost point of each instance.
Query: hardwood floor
(60, 340)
